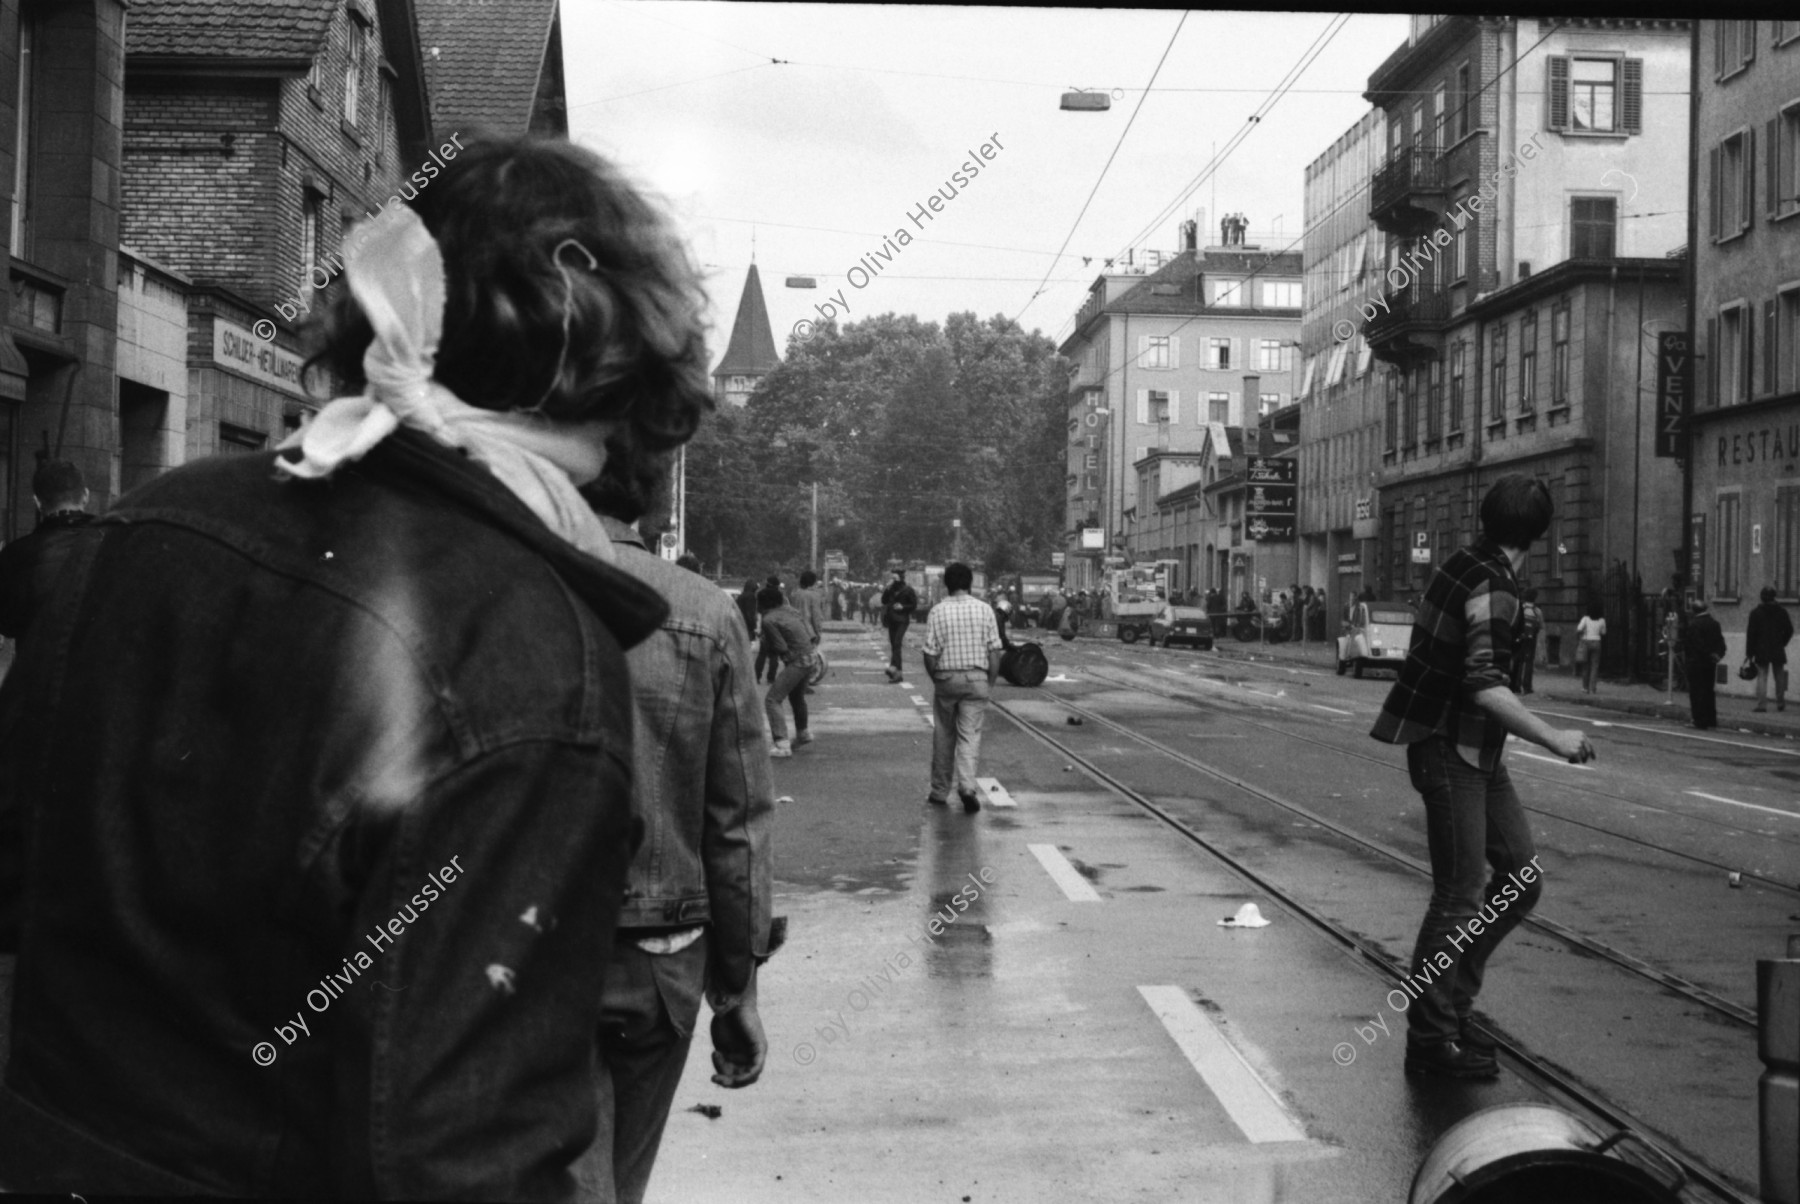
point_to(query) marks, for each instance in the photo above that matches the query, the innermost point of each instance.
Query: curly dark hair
(636, 346)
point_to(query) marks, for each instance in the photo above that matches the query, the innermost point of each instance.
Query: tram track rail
(1788, 888)
(1557, 1083)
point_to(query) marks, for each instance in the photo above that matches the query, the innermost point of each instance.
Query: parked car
(1378, 638)
(1182, 625)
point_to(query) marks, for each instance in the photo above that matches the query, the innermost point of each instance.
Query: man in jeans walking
(898, 601)
(962, 654)
(1453, 710)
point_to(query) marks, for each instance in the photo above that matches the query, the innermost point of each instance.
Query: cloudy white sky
(821, 156)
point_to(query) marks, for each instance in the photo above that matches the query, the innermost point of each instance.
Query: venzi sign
(1674, 378)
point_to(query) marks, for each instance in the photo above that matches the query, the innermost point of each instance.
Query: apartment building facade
(1340, 394)
(1743, 528)
(1535, 215)
(1158, 357)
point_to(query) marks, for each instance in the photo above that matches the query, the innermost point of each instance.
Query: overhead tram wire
(1255, 272)
(1109, 162)
(1307, 57)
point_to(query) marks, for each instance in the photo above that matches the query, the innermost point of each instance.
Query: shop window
(240, 438)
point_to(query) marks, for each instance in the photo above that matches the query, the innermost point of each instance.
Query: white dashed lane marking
(1752, 806)
(1250, 1103)
(1077, 888)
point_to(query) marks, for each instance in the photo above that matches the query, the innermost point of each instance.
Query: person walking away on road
(962, 655)
(695, 918)
(1767, 638)
(871, 598)
(1531, 621)
(1588, 634)
(898, 601)
(790, 642)
(289, 700)
(809, 600)
(1453, 709)
(31, 565)
(1703, 647)
(1054, 604)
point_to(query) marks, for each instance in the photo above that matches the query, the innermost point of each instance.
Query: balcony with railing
(1407, 190)
(1409, 325)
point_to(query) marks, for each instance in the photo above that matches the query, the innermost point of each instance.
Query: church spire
(751, 354)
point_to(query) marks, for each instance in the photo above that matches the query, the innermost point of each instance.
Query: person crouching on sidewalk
(790, 638)
(1453, 710)
(962, 655)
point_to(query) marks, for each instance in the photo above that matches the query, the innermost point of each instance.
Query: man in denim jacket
(696, 910)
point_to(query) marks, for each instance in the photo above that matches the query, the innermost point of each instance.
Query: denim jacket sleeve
(468, 1075)
(740, 815)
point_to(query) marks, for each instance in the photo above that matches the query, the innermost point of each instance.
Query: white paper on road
(1252, 1106)
(1517, 752)
(996, 793)
(1077, 888)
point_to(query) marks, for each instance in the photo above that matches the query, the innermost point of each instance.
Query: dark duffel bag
(1024, 665)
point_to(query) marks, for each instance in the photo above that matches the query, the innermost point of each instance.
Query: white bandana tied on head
(396, 273)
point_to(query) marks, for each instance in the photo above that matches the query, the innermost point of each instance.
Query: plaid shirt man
(960, 631)
(1462, 643)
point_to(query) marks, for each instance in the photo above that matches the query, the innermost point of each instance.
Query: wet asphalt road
(1044, 1045)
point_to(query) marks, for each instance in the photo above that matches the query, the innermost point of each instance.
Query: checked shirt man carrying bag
(962, 655)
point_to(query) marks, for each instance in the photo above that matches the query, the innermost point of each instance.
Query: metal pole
(813, 561)
(957, 553)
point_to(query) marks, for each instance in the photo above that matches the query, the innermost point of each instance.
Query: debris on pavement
(1248, 916)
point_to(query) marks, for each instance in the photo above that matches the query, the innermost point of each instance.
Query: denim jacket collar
(628, 607)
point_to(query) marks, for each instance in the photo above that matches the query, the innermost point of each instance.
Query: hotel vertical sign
(1674, 378)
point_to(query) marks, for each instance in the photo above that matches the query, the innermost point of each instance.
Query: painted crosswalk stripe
(997, 796)
(918, 700)
(1250, 1103)
(1319, 706)
(1077, 888)
(1752, 806)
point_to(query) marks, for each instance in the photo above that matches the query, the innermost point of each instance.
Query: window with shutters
(1559, 353)
(1731, 356)
(1460, 245)
(1726, 554)
(1434, 403)
(1730, 190)
(1457, 354)
(1268, 355)
(1159, 408)
(1465, 103)
(1599, 94)
(1528, 326)
(1497, 390)
(1785, 32)
(1593, 226)
(1218, 407)
(1336, 372)
(1219, 355)
(1782, 150)
(1438, 111)
(1734, 47)
(1393, 409)
(1409, 410)
(353, 73)
(1156, 352)
(1787, 541)
(1267, 403)
(1365, 355)
(1787, 341)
